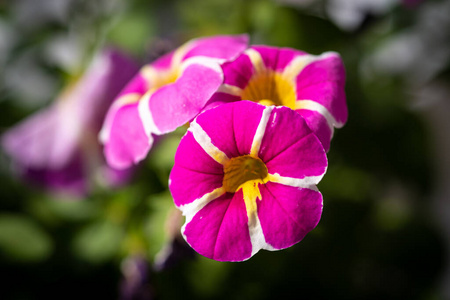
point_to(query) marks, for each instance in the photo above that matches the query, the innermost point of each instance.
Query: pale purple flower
(57, 146)
(135, 284)
(312, 85)
(245, 177)
(164, 95)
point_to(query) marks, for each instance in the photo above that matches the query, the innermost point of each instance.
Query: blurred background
(385, 228)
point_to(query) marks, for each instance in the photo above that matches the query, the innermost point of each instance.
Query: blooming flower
(311, 85)
(244, 177)
(57, 147)
(165, 95)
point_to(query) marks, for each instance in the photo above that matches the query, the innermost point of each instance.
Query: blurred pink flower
(164, 95)
(57, 147)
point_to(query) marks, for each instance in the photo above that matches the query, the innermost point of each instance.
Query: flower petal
(220, 46)
(237, 127)
(194, 173)
(127, 143)
(34, 142)
(291, 153)
(277, 58)
(319, 125)
(220, 231)
(176, 104)
(238, 72)
(323, 81)
(287, 213)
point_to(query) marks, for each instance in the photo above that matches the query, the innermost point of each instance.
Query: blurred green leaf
(22, 239)
(98, 242)
(156, 223)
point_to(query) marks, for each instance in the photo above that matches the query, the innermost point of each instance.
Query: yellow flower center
(159, 78)
(270, 88)
(245, 172)
(241, 169)
(164, 78)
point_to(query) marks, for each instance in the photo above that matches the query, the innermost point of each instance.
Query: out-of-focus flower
(165, 95)
(245, 177)
(57, 147)
(135, 284)
(311, 85)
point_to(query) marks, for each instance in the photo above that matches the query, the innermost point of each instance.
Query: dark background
(385, 228)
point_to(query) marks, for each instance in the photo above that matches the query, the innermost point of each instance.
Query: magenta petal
(319, 126)
(188, 185)
(238, 72)
(127, 143)
(297, 154)
(304, 158)
(277, 58)
(137, 85)
(178, 103)
(164, 62)
(219, 231)
(287, 213)
(246, 118)
(221, 133)
(194, 173)
(190, 155)
(323, 81)
(222, 47)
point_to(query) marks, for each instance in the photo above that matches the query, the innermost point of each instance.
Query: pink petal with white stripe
(194, 173)
(219, 230)
(298, 154)
(176, 104)
(323, 81)
(288, 213)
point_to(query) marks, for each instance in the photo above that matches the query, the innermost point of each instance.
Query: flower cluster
(57, 147)
(261, 121)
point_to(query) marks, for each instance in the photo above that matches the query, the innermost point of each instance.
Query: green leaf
(23, 240)
(98, 242)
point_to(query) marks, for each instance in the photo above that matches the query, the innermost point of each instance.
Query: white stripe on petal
(257, 236)
(146, 115)
(259, 134)
(150, 74)
(308, 182)
(205, 142)
(256, 59)
(317, 107)
(230, 89)
(294, 68)
(191, 209)
(209, 62)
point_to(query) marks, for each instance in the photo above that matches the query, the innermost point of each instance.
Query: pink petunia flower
(309, 84)
(164, 95)
(57, 147)
(245, 177)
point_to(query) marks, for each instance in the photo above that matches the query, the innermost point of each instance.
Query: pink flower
(309, 84)
(165, 95)
(245, 177)
(58, 147)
